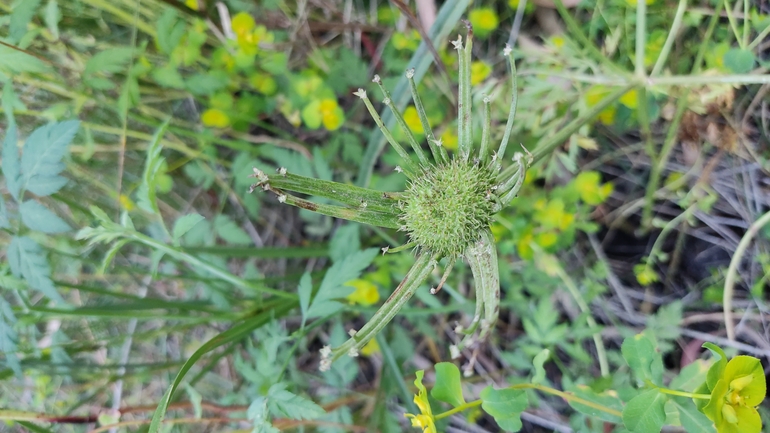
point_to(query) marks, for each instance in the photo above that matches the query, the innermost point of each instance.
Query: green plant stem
(684, 394)
(675, 27)
(641, 38)
(548, 390)
(548, 144)
(733, 23)
(575, 30)
(604, 365)
(732, 272)
(201, 265)
(668, 144)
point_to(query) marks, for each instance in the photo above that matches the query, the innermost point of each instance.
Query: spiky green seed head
(446, 208)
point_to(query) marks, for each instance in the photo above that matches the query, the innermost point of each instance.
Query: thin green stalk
(733, 23)
(759, 39)
(202, 265)
(641, 38)
(675, 27)
(732, 272)
(548, 144)
(575, 30)
(512, 112)
(548, 390)
(401, 122)
(746, 23)
(392, 365)
(604, 365)
(122, 15)
(668, 144)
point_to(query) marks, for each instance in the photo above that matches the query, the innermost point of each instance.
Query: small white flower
(364, 204)
(454, 352)
(361, 93)
(487, 99)
(410, 73)
(399, 169)
(376, 79)
(386, 101)
(432, 290)
(353, 352)
(458, 44)
(282, 171)
(438, 143)
(282, 198)
(326, 352)
(352, 332)
(384, 250)
(325, 365)
(507, 50)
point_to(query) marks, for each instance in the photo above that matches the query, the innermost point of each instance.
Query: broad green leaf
(13, 61)
(644, 360)
(26, 259)
(286, 404)
(37, 217)
(717, 369)
(332, 286)
(259, 416)
(230, 232)
(206, 84)
(691, 376)
(604, 399)
(11, 164)
(538, 362)
(739, 61)
(41, 159)
(184, 224)
(505, 405)
(448, 386)
(21, 15)
(645, 413)
(692, 420)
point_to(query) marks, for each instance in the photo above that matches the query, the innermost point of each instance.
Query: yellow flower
(332, 115)
(479, 72)
(192, 4)
(263, 83)
(126, 203)
(736, 395)
(449, 139)
(484, 21)
(412, 120)
(593, 96)
(365, 293)
(630, 99)
(425, 419)
(371, 348)
(406, 41)
(242, 24)
(546, 239)
(215, 118)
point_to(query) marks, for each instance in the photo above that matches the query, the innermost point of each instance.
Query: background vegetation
(184, 297)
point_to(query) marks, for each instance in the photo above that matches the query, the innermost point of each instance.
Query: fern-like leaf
(27, 260)
(11, 165)
(41, 160)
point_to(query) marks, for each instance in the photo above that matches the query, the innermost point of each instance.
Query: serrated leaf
(230, 232)
(52, 17)
(345, 241)
(206, 84)
(37, 217)
(169, 31)
(146, 195)
(538, 362)
(448, 386)
(168, 76)
(338, 274)
(505, 405)
(21, 15)
(111, 60)
(14, 62)
(646, 412)
(27, 260)
(184, 224)
(692, 420)
(41, 159)
(604, 399)
(11, 164)
(645, 362)
(286, 404)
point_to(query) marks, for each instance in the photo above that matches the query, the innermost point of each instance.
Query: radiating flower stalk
(446, 210)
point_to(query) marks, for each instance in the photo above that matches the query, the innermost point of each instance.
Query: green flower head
(739, 390)
(445, 211)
